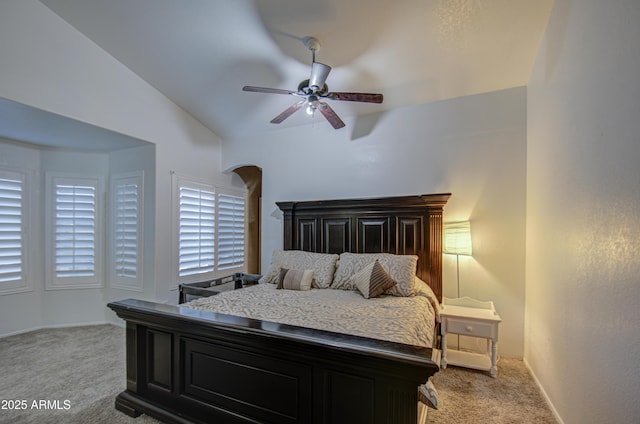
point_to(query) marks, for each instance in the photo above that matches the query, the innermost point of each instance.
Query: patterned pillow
(373, 280)
(322, 264)
(293, 279)
(402, 268)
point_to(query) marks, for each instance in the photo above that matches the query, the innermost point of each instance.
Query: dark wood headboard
(407, 225)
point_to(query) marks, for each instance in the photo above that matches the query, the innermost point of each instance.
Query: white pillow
(322, 264)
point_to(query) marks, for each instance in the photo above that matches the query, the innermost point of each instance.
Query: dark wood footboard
(186, 365)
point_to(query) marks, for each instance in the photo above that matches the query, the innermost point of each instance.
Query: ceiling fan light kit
(314, 89)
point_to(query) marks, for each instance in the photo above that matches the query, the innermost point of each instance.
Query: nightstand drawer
(470, 328)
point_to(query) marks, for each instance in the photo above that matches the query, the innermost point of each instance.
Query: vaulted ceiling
(200, 53)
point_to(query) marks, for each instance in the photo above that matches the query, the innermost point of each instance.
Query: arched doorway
(252, 178)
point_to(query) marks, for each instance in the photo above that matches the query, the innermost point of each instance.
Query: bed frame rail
(186, 365)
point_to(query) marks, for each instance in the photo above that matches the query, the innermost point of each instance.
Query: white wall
(473, 147)
(49, 65)
(583, 212)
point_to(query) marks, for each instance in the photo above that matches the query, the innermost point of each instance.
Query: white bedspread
(408, 320)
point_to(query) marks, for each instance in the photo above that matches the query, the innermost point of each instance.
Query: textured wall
(583, 212)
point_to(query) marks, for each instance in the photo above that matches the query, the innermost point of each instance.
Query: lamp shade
(457, 238)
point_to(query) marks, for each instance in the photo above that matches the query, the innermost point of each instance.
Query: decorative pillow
(293, 279)
(373, 280)
(322, 264)
(402, 268)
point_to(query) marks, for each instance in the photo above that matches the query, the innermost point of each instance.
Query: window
(13, 222)
(197, 231)
(126, 231)
(73, 232)
(210, 230)
(231, 216)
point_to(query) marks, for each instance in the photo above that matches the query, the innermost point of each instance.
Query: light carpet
(77, 373)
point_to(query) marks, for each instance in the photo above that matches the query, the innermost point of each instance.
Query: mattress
(408, 320)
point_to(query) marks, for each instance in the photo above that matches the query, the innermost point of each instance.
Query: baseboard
(45, 327)
(544, 393)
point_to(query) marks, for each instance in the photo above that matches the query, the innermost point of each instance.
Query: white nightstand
(470, 317)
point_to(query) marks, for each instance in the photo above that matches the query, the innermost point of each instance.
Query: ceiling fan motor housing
(319, 74)
(313, 89)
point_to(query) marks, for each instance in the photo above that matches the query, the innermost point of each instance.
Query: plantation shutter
(11, 243)
(75, 231)
(126, 230)
(231, 228)
(196, 231)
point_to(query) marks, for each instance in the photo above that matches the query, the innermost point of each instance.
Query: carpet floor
(72, 375)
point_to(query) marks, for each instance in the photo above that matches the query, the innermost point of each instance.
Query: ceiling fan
(314, 90)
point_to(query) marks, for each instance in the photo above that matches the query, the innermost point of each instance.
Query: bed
(198, 365)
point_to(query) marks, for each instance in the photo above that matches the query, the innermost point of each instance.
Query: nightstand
(474, 318)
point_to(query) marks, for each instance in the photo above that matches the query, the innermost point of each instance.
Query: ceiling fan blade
(331, 115)
(267, 90)
(319, 74)
(288, 112)
(356, 97)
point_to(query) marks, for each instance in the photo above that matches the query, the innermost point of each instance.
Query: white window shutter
(126, 230)
(231, 231)
(196, 231)
(126, 235)
(11, 239)
(75, 231)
